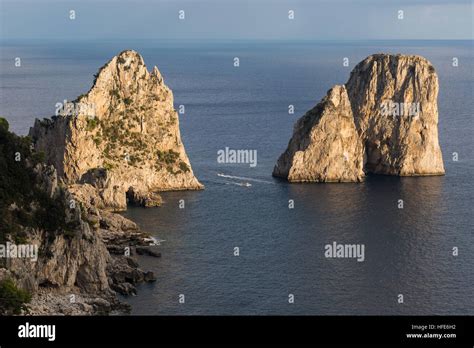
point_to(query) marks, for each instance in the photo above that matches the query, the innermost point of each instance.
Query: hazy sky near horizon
(236, 19)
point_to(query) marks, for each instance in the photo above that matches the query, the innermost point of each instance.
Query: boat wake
(245, 184)
(244, 178)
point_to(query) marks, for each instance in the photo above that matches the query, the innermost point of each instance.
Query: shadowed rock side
(325, 145)
(130, 146)
(325, 148)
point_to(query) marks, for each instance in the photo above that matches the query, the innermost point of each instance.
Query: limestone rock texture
(77, 258)
(325, 145)
(122, 136)
(87, 260)
(77, 261)
(384, 120)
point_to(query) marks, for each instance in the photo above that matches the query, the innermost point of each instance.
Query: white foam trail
(246, 184)
(153, 241)
(243, 178)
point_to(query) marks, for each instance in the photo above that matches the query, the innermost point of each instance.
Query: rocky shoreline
(117, 145)
(124, 274)
(82, 273)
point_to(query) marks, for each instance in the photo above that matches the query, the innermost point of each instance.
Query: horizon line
(223, 39)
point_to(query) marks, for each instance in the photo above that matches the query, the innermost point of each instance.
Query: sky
(236, 19)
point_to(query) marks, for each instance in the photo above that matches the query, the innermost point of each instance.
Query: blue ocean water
(407, 251)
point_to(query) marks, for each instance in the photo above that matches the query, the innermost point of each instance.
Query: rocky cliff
(384, 120)
(81, 261)
(122, 137)
(325, 145)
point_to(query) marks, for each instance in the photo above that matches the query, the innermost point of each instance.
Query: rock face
(76, 258)
(383, 121)
(325, 145)
(78, 262)
(122, 136)
(81, 248)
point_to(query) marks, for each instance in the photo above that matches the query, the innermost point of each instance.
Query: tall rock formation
(325, 145)
(383, 121)
(404, 141)
(122, 137)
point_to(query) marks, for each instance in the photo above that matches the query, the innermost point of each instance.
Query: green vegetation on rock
(23, 204)
(92, 124)
(183, 167)
(12, 299)
(167, 157)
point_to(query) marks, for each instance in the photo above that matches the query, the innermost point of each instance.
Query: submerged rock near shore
(122, 137)
(384, 120)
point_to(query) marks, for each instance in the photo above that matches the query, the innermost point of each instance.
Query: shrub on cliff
(12, 299)
(22, 202)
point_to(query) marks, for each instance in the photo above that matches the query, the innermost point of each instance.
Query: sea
(251, 244)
